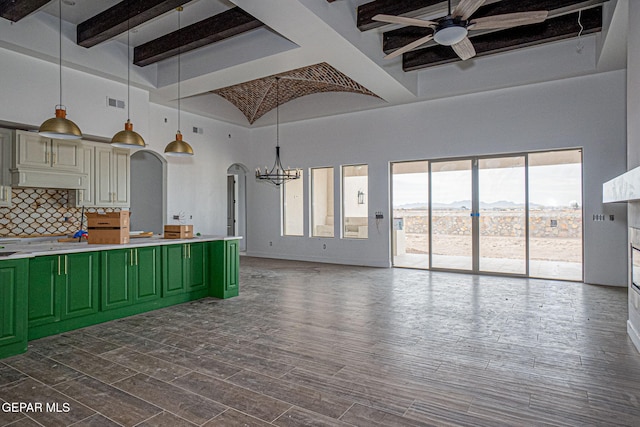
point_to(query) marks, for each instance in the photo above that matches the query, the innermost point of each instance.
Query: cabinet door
(13, 306)
(148, 273)
(196, 254)
(173, 265)
(5, 160)
(232, 268)
(116, 278)
(66, 155)
(224, 263)
(120, 177)
(80, 290)
(5, 196)
(103, 176)
(32, 150)
(44, 297)
(86, 196)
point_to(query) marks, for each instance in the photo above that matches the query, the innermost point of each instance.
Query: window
(322, 202)
(293, 207)
(355, 206)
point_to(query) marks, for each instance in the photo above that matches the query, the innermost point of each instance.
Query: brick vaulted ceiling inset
(257, 97)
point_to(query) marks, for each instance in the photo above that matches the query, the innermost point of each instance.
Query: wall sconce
(360, 197)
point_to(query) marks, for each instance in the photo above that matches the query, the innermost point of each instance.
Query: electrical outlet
(176, 217)
(379, 215)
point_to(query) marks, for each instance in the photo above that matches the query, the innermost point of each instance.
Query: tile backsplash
(37, 212)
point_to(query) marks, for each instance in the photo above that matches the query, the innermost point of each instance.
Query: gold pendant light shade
(178, 148)
(128, 138)
(60, 127)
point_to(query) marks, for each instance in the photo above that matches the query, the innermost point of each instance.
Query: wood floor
(325, 345)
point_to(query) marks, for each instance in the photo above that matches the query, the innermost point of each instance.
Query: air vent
(198, 130)
(115, 103)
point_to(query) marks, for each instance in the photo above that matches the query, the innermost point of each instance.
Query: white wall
(586, 112)
(633, 146)
(196, 186)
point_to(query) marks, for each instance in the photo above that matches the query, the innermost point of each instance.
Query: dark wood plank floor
(323, 345)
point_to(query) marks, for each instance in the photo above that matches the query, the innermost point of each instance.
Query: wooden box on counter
(110, 228)
(178, 231)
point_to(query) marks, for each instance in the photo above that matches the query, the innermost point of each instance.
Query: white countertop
(29, 248)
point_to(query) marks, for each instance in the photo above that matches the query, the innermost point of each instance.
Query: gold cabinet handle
(189, 246)
(136, 256)
(53, 155)
(66, 264)
(130, 256)
(58, 265)
(46, 157)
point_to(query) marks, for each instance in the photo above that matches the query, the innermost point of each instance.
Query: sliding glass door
(502, 219)
(513, 214)
(451, 220)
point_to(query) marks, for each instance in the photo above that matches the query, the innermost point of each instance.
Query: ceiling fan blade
(508, 20)
(465, 8)
(392, 19)
(464, 49)
(410, 46)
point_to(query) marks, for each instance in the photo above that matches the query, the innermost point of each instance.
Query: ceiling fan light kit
(450, 31)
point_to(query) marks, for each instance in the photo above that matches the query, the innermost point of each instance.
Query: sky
(553, 185)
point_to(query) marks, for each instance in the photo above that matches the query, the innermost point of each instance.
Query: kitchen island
(48, 287)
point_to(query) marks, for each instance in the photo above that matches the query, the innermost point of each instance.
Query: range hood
(623, 188)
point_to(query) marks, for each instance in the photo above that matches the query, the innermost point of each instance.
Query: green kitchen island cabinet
(130, 276)
(13, 306)
(184, 269)
(225, 276)
(62, 289)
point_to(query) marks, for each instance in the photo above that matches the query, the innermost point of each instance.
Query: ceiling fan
(452, 29)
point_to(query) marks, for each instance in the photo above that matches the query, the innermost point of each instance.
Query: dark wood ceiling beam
(559, 28)
(119, 18)
(395, 39)
(417, 7)
(16, 10)
(218, 27)
(390, 7)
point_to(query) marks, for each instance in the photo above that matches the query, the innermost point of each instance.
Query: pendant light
(127, 138)
(60, 127)
(178, 147)
(278, 174)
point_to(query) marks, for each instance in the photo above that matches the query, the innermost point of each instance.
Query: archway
(237, 202)
(148, 191)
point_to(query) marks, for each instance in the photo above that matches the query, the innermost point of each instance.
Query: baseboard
(321, 259)
(633, 334)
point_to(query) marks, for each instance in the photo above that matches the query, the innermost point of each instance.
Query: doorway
(518, 215)
(148, 195)
(237, 203)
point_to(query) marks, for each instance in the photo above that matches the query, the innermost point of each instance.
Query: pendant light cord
(278, 111)
(60, 45)
(128, 63)
(449, 7)
(179, 50)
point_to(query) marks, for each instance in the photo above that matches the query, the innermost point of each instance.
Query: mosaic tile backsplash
(40, 212)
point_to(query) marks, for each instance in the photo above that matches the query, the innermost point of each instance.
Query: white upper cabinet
(34, 151)
(6, 136)
(112, 177)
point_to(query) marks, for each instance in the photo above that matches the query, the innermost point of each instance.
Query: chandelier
(277, 174)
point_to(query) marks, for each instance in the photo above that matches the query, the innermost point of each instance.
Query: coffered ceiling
(229, 49)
